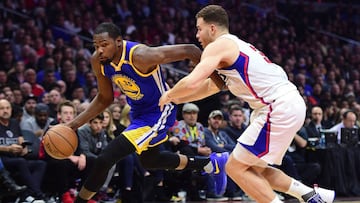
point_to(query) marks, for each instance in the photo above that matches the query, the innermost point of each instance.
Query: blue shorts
(150, 129)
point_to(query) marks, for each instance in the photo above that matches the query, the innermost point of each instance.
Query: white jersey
(253, 77)
(279, 109)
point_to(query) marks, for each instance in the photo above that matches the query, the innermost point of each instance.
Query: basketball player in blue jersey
(135, 69)
(278, 109)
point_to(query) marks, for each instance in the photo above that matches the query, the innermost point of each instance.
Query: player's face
(203, 33)
(105, 47)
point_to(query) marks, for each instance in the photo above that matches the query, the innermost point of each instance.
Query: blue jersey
(143, 92)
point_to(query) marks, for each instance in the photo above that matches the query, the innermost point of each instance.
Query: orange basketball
(60, 141)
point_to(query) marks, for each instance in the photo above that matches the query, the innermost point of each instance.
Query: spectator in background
(54, 100)
(67, 170)
(81, 52)
(49, 80)
(7, 59)
(300, 80)
(31, 172)
(26, 89)
(188, 134)
(188, 138)
(236, 124)
(45, 98)
(17, 112)
(4, 79)
(316, 124)
(215, 138)
(91, 94)
(81, 69)
(16, 76)
(79, 93)
(116, 115)
(18, 97)
(9, 95)
(308, 172)
(30, 77)
(62, 87)
(90, 80)
(82, 106)
(72, 84)
(30, 102)
(8, 185)
(40, 122)
(50, 67)
(331, 114)
(218, 141)
(349, 118)
(122, 101)
(94, 139)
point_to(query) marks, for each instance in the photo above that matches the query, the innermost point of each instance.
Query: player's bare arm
(210, 60)
(145, 58)
(216, 55)
(102, 100)
(207, 88)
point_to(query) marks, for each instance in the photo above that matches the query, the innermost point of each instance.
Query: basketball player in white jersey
(278, 108)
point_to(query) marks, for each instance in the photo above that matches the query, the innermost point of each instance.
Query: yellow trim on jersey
(118, 66)
(159, 142)
(136, 136)
(131, 54)
(102, 69)
(132, 65)
(143, 74)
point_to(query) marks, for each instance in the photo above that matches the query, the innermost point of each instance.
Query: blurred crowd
(46, 46)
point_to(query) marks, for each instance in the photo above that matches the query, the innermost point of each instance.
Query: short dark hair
(235, 107)
(113, 30)
(214, 14)
(100, 116)
(41, 108)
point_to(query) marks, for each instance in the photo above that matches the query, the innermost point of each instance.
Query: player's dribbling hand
(164, 99)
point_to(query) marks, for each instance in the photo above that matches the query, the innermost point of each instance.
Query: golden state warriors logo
(128, 86)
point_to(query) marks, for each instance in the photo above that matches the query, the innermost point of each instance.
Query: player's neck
(221, 33)
(118, 55)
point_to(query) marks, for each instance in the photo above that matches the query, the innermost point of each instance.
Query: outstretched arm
(207, 88)
(102, 100)
(145, 58)
(221, 53)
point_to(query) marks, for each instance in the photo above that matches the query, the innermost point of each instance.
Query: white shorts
(272, 129)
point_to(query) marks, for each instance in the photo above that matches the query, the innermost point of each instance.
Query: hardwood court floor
(337, 200)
